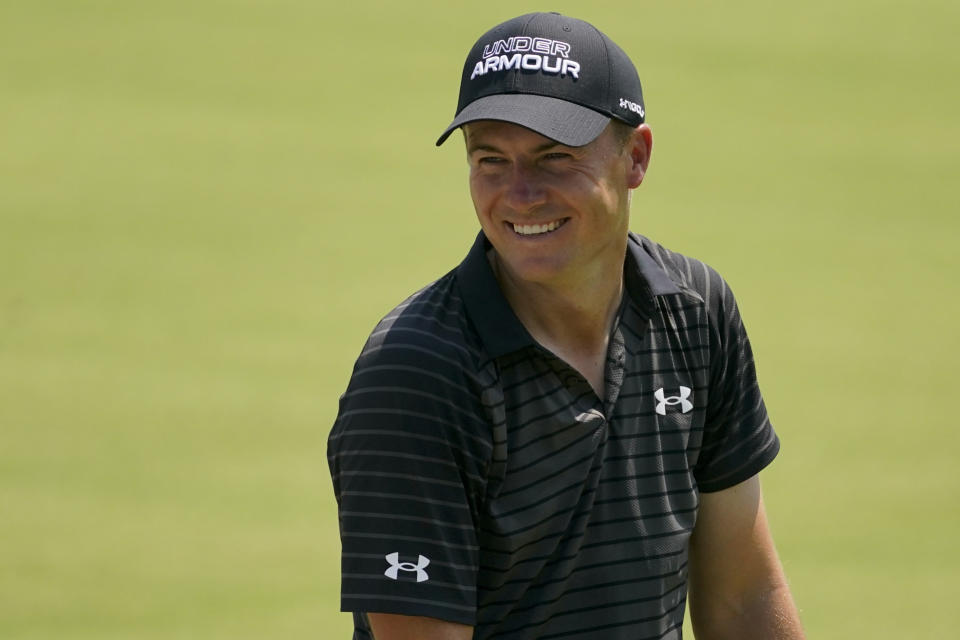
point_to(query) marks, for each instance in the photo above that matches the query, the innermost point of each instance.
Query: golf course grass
(205, 207)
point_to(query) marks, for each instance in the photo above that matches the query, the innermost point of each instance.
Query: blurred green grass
(205, 207)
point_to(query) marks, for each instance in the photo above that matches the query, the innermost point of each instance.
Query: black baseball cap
(553, 74)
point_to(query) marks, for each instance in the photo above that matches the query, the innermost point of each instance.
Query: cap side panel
(606, 100)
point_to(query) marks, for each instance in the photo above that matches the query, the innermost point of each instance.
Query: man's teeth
(532, 229)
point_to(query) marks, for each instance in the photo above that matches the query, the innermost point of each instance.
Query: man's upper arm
(387, 626)
(407, 458)
(737, 585)
(731, 543)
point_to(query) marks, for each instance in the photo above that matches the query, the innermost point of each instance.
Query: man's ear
(639, 147)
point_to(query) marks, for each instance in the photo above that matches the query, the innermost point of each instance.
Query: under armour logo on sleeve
(396, 565)
(682, 400)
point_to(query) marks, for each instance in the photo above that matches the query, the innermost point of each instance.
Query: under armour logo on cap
(682, 400)
(395, 565)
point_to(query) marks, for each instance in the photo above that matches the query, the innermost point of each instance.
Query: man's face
(554, 214)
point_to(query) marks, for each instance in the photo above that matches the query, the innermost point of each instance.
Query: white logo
(396, 565)
(631, 106)
(529, 54)
(662, 402)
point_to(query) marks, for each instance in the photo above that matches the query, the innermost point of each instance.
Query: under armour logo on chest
(664, 402)
(396, 565)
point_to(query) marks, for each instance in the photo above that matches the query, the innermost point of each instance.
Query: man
(555, 438)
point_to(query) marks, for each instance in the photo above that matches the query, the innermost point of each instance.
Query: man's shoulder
(419, 375)
(429, 326)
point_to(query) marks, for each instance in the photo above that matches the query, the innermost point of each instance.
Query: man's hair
(621, 132)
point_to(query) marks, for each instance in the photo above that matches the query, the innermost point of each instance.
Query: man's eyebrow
(546, 146)
(473, 147)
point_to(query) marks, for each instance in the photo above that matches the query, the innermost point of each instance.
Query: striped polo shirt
(481, 480)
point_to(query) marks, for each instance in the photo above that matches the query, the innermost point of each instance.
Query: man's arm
(737, 587)
(388, 626)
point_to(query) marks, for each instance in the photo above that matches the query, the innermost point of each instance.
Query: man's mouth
(538, 229)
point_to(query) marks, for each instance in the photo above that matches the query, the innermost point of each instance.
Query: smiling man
(561, 437)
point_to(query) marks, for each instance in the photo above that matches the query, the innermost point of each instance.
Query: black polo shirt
(481, 480)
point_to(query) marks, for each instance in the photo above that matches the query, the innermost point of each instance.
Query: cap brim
(559, 120)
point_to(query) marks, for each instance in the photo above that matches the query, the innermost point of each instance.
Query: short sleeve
(738, 440)
(407, 456)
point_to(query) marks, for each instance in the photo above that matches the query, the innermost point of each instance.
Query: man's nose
(525, 189)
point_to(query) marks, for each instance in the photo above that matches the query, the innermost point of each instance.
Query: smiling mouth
(538, 229)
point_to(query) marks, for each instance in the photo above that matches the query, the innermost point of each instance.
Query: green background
(205, 206)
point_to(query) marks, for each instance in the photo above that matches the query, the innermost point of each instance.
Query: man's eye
(489, 160)
(557, 155)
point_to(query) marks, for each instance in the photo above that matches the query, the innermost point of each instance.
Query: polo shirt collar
(488, 309)
(500, 329)
(657, 282)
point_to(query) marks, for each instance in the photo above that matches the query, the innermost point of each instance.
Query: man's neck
(573, 319)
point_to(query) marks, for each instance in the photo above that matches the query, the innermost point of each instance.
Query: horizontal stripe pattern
(544, 511)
